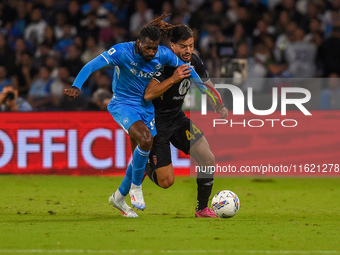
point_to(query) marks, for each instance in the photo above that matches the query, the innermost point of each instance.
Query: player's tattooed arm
(217, 107)
(156, 89)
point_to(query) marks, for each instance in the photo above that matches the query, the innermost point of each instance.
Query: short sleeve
(159, 76)
(115, 55)
(170, 59)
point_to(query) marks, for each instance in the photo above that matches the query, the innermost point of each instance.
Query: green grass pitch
(71, 215)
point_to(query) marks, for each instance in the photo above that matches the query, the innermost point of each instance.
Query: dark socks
(204, 187)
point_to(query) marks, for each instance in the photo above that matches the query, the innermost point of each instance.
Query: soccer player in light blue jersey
(135, 64)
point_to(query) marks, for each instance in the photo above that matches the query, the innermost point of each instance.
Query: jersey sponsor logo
(134, 64)
(145, 75)
(141, 74)
(178, 98)
(133, 71)
(184, 86)
(158, 66)
(158, 74)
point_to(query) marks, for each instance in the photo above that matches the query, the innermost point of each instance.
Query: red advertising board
(90, 143)
(70, 143)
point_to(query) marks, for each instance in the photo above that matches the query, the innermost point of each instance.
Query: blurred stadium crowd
(45, 43)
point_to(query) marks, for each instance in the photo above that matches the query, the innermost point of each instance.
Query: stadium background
(44, 44)
(50, 214)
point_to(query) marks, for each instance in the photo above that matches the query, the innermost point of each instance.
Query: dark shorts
(178, 130)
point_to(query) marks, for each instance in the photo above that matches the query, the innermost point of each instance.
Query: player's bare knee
(145, 143)
(166, 182)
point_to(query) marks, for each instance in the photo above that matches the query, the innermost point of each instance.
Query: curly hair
(151, 31)
(163, 26)
(174, 32)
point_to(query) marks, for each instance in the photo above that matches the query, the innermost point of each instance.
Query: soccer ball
(225, 204)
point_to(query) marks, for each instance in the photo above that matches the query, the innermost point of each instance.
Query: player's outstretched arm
(217, 106)
(156, 88)
(92, 66)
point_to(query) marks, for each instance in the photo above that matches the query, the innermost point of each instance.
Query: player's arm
(216, 104)
(156, 87)
(170, 59)
(105, 59)
(214, 97)
(207, 87)
(218, 107)
(92, 66)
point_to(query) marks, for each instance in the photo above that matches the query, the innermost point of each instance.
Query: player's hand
(72, 92)
(181, 72)
(222, 110)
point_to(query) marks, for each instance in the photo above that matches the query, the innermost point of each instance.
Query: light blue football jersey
(132, 74)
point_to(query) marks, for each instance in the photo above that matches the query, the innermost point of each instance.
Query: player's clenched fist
(72, 92)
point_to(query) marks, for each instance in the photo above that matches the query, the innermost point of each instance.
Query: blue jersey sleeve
(92, 66)
(193, 73)
(170, 59)
(115, 55)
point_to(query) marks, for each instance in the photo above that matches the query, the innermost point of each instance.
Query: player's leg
(201, 152)
(164, 176)
(141, 134)
(159, 168)
(117, 199)
(125, 186)
(130, 119)
(191, 140)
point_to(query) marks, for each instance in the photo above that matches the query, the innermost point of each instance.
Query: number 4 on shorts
(190, 135)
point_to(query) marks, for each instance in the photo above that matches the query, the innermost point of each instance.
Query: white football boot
(122, 206)
(136, 195)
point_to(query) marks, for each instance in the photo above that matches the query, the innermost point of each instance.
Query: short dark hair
(180, 32)
(150, 31)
